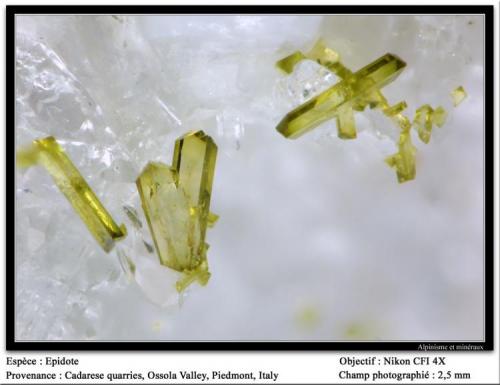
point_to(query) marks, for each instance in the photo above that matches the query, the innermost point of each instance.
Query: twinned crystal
(49, 154)
(176, 202)
(354, 92)
(288, 63)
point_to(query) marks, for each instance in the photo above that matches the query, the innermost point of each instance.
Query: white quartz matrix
(316, 239)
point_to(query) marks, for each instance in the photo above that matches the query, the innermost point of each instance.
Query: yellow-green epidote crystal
(354, 92)
(49, 154)
(458, 95)
(176, 202)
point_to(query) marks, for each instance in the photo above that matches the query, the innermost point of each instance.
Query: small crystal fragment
(212, 219)
(288, 63)
(401, 121)
(423, 122)
(458, 95)
(439, 116)
(346, 93)
(308, 317)
(49, 154)
(323, 55)
(176, 202)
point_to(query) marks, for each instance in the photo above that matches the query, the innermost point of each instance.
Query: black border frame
(13, 345)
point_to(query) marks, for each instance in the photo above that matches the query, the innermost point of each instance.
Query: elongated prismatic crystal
(49, 154)
(176, 202)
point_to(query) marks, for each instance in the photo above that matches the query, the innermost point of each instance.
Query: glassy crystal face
(404, 160)
(425, 118)
(176, 202)
(288, 63)
(458, 95)
(354, 93)
(423, 122)
(49, 154)
(344, 95)
(439, 116)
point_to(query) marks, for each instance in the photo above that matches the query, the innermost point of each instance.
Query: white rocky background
(316, 239)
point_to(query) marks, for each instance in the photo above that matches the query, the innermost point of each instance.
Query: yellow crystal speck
(439, 116)
(396, 109)
(308, 317)
(423, 122)
(49, 154)
(288, 63)
(425, 118)
(404, 160)
(345, 123)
